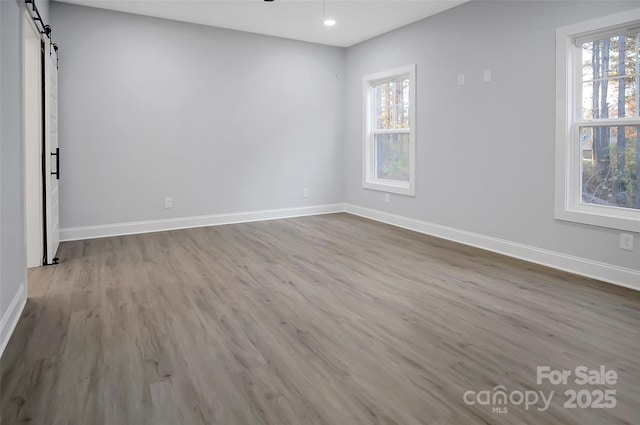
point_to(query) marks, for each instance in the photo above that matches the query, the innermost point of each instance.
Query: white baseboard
(103, 231)
(10, 317)
(621, 276)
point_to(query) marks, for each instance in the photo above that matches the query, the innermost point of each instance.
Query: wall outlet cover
(626, 241)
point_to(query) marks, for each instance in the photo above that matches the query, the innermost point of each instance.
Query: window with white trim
(389, 131)
(598, 122)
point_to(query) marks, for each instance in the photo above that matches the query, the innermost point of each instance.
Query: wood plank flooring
(318, 320)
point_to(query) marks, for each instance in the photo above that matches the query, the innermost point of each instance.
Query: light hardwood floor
(319, 320)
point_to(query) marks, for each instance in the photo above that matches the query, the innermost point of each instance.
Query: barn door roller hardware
(43, 28)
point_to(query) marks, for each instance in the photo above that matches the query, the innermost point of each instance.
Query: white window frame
(369, 179)
(568, 196)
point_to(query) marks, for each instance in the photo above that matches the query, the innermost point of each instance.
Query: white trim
(614, 22)
(369, 180)
(118, 229)
(607, 122)
(10, 318)
(620, 276)
(568, 197)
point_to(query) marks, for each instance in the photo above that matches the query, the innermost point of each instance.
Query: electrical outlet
(168, 202)
(626, 241)
(305, 192)
(387, 199)
(461, 79)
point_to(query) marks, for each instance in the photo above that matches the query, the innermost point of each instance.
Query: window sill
(390, 186)
(619, 219)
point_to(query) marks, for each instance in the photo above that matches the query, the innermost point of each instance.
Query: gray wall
(12, 240)
(485, 161)
(2, 307)
(222, 121)
(12, 174)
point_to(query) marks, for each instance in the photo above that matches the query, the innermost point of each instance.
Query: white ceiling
(357, 20)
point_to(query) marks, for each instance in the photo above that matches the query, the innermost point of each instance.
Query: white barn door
(51, 153)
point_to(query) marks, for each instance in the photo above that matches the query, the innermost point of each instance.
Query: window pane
(383, 106)
(402, 104)
(391, 104)
(609, 70)
(610, 166)
(392, 156)
(612, 98)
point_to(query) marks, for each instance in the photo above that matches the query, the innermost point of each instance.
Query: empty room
(328, 212)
